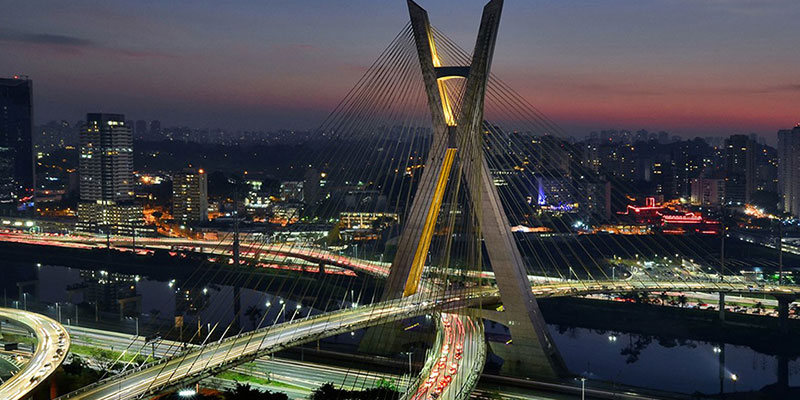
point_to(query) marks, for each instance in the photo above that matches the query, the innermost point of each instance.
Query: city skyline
(196, 191)
(691, 68)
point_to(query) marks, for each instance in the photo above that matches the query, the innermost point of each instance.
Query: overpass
(212, 358)
(52, 343)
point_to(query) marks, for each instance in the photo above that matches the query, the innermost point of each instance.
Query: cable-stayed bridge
(413, 139)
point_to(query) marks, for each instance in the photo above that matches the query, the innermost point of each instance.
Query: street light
(583, 388)
(409, 353)
(187, 392)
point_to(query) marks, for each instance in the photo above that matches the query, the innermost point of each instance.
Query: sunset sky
(692, 67)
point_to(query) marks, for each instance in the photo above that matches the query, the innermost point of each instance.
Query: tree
(663, 296)
(329, 392)
(245, 392)
(682, 300)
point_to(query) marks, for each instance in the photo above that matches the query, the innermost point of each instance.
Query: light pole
(297, 309)
(780, 251)
(137, 326)
(25, 301)
(409, 366)
(409, 353)
(583, 388)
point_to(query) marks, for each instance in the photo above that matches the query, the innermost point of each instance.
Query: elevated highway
(195, 364)
(175, 373)
(52, 343)
(210, 359)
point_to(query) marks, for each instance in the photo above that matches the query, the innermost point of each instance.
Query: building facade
(16, 142)
(106, 177)
(789, 170)
(190, 196)
(708, 191)
(292, 191)
(739, 169)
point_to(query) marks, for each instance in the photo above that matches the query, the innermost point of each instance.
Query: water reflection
(670, 364)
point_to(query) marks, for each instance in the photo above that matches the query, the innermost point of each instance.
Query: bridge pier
(520, 358)
(783, 313)
(123, 305)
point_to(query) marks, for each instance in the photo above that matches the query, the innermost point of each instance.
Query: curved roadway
(52, 344)
(195, 364)
(543, 287)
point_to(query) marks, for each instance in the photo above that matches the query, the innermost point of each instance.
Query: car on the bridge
(453, 369)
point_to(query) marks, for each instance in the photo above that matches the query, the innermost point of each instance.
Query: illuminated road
(201, 362)
(307, 375)
(453, 369)
(284, 253)
(52, 343)
(196, 364)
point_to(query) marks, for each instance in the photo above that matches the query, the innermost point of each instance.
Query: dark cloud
(792, 87)
(72, 44)
(44, 39)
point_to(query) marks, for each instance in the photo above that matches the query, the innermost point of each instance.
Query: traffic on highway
(52, 345)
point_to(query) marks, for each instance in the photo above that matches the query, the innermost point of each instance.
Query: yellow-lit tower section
(421, 253)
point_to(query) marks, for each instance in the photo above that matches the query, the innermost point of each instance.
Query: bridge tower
(457, 130)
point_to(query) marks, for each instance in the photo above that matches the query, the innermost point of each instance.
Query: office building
(789, 170)
(106, 177)
(707, 191)
(292, 191)
(155, 129)
(140, 129)
(739, 169)
(16, 142)
(190, 196)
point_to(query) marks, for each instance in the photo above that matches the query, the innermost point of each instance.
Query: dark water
(673, 365)
(685, 366)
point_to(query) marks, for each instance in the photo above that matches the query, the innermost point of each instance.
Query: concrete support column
(783, 313)
(783, 371)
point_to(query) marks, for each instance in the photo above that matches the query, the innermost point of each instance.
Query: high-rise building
(739, 168)
(789, 170)
(190, 196)
(292, 191)
(140, 129)
(707, 191)
(16, 140)
(155, 129)
(106, 176)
